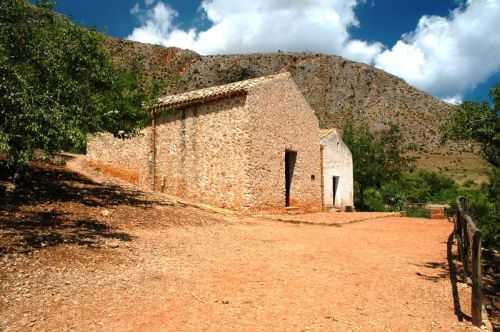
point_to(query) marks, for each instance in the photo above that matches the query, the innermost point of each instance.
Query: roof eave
(170, 106)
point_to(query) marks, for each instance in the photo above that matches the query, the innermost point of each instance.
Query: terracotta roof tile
(216, 92)
(327, 132)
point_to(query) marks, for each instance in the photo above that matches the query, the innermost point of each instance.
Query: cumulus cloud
(448, 56)
(444, 56)
(261, 26)
(455, 100)
(156, 23)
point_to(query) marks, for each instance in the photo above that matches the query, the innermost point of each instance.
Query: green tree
(377, 159)
(480, 122)
(58, 84)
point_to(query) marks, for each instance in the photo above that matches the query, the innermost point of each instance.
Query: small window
(313, 177)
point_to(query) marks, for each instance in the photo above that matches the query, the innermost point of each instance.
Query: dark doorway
(290, 159)
(335, 184)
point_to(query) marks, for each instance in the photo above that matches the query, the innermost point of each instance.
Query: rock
(106, 213)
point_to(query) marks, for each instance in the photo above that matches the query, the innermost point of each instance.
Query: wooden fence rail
(468, 238)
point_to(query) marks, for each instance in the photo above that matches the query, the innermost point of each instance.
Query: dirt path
(229, 274)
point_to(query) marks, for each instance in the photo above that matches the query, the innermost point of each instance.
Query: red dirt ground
(91, 256)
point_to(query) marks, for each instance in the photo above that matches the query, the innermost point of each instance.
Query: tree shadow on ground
(52, 206)
(43, 183)
(43, 230)
(447, 270)
(454, 279)
(441, 266)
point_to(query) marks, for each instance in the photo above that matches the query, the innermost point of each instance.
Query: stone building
(249, 145)
(337, 171)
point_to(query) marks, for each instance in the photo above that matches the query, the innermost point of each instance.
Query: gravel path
(163, 267)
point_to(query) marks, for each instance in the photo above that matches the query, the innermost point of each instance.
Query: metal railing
(468, 237)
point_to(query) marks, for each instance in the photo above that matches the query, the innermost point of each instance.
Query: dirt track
(163, 267)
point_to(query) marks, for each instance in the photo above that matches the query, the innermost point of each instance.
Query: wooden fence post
(469, 248)
(476, 306)
(465, 237)
(458, 232)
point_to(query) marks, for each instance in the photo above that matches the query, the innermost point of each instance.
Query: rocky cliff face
(335, 88)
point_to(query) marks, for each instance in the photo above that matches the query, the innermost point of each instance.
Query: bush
(429, 187)
(386, 157)
(393, 195)
(373, 200)
(485, 209)
(418, 212)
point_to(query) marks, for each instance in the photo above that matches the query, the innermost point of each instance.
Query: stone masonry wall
(228, 152)
(281, 119)
(201, 153)
(127, 159)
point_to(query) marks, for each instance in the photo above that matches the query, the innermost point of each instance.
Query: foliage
(373, 200)
(425, 186)
(485, 209)
(57, 84)
(386, 179)
(480, 122)
(393, 195)
(418, 188)
(417, 212)
(383, 153)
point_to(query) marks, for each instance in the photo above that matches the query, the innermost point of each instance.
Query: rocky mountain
(337, 89)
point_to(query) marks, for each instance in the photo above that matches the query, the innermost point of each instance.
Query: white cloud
(448, 56)
(156, 24)
(262, 26)
(455, 100)
(445, 56)
(135, 10)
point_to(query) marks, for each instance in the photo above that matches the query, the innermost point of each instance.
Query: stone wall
(282, 120)
(127, 158)
(229, 152)
(337, 162)
(201, 153)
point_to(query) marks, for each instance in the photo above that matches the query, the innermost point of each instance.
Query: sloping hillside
(337, 89)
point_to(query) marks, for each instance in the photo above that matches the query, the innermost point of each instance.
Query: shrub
(485, 209)
(373, 200)
(418, 212)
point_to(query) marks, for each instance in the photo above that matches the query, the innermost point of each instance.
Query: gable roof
(327, 132)
(213, 93)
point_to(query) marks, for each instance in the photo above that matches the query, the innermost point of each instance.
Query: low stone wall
(128, 175)
(126, 159)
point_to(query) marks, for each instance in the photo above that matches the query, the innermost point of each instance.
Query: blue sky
(450, 49)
